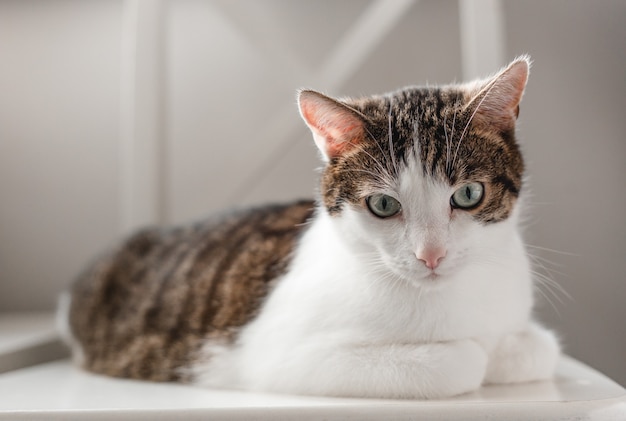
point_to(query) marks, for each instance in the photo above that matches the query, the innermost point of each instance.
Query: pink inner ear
(336, 128)
(497, 103)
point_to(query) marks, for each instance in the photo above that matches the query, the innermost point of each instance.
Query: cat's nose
(431, 256)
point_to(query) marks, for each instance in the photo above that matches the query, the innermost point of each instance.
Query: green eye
(468, 196)
(382, 205)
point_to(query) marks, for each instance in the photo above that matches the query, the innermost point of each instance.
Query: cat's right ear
(336, 127)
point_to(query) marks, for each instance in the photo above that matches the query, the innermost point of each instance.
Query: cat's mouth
(436, 277)
(420, 276)
(433, 276)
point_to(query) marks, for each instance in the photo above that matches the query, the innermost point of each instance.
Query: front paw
(459, 367)
(524, 356)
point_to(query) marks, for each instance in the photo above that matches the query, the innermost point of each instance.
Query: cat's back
(143, 310)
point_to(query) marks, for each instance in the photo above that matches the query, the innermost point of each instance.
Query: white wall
(573, 128)
(119, 113)
(59, 131)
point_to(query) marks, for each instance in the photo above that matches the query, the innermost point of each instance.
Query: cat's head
(420, 179)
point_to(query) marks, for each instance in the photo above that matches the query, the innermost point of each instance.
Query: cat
(406, 278)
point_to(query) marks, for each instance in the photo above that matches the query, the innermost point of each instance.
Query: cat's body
(409, 279)
(144, 310)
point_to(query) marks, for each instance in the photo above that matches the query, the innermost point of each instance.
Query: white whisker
(546, 297)
(416, 135)
(553, 250)
(552, 286)
(445, 132)
(449, 144)
(379, 164)
(391, 151)
(543, 262)
(469, 122)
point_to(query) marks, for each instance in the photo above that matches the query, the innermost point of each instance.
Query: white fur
(357, 314)
(64, 304)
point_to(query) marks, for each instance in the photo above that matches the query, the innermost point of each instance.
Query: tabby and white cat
(407, 278)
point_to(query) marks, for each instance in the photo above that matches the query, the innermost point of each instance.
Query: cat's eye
(468, 196)
(383, 205)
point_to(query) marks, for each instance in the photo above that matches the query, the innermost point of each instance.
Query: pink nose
(431, 256)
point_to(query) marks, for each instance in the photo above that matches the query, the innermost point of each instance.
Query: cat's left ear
(336, 127)
(495, 101)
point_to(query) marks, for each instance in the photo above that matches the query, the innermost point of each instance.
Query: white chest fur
(331, 303)
(331, 288)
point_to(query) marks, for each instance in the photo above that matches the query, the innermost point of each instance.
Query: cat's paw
(524, 356)
(460, 368)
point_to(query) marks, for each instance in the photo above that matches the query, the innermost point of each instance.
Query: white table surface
(59, 391)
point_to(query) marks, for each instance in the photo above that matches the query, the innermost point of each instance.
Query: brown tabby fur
(144, 310)
(428, 122)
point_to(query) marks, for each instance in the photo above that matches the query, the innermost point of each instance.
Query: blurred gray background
(116, 114)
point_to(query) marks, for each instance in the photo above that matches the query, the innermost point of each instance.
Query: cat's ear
(336, 127)
(495, 101)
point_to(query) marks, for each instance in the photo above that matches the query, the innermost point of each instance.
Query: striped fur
(143, 310)
(435, 124)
